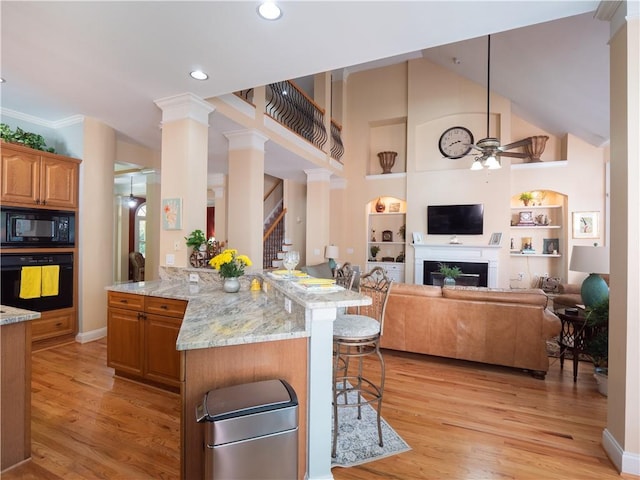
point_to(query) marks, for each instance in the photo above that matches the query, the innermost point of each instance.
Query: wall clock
(387, 236)
(455, 142)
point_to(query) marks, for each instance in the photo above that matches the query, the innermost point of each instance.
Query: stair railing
(273, 239)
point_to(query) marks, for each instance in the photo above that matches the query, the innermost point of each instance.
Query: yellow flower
(230, 264)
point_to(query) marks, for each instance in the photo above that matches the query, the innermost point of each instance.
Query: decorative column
(245, 183)
(318, 214)
(183, 186)
(621, 438)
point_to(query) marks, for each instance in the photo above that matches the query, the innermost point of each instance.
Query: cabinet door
(20, 182)
(161, 359)
(59, 180)
(125, 335)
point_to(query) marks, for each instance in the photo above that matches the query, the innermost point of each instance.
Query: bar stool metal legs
(356, 336)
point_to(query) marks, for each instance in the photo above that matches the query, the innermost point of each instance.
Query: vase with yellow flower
(231, 266)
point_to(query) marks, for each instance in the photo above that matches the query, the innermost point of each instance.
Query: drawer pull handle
(123, 300)
(164, 307)
(59, 324)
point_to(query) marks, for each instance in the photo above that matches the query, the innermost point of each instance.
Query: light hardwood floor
(462, 420)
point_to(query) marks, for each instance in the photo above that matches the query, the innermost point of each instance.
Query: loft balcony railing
(288, 105)
(337, 149)
(291, 107)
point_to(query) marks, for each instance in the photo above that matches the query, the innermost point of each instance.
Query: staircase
(274, 243)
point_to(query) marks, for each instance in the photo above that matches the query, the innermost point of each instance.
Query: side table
(573, 336)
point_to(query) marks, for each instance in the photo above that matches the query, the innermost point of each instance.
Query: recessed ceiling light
(199, 75)
(269, 11)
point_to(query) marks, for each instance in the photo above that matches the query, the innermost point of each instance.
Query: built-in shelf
(549, 255)
(386, 243)
(529, 227)
(386, 176)
(552, 164)
(535, 207)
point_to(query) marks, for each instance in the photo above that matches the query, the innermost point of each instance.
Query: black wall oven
(11, 271)
(36, 228)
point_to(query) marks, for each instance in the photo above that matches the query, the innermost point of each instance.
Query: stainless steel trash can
(251, 431)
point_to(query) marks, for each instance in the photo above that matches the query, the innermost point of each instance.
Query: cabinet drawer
(126, 300)
(52, 325)
(165, 306)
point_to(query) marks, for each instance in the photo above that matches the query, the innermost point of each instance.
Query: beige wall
(427, 99)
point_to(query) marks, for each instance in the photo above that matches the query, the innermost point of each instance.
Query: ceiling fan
(490, 147)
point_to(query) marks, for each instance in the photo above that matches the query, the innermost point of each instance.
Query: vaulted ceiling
(111, 60)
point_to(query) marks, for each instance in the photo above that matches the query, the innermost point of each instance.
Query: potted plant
(526, 197)
(449, 273)
(231, 266)
(597, 341)
(374, 251)
(19, 136)
(196, 239)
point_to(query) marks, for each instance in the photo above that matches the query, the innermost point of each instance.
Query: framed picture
(172, 213)
(586, 225)
(550, 246)
(394, 207)
(417, 237)
(526, 218)
(495, 238)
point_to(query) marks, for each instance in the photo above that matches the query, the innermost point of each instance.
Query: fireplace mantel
(460, 253)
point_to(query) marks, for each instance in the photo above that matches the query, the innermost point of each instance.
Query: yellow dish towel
(50, 280)
(30, 282)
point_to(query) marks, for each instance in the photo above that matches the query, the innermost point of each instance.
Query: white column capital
(185, 105)
(246, 139)
(318, 175)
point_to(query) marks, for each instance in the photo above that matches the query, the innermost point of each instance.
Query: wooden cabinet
(141, 338)
(34, 178)
(53, 327)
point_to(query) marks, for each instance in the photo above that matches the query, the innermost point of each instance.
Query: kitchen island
(15, 389)
(226, 339)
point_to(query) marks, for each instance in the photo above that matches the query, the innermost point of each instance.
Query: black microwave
(29, 227)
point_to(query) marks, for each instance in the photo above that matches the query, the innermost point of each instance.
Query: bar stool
(357, 336)
(344, 276)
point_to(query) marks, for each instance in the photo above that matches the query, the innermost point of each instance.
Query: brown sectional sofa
(501, 327)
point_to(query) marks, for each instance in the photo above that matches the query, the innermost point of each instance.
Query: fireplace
(475, 274)
(480, 257)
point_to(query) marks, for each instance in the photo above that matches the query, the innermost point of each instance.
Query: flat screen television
(455, 219)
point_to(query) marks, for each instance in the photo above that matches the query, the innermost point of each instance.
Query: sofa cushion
(398, 288)
(321, 270)
(479, 294)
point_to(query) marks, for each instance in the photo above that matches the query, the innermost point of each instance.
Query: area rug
(358, 439)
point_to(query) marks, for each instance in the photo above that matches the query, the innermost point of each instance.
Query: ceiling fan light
(492, 163)
(132, 202)
(477, 164)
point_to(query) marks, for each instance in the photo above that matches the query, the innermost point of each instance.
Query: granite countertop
(15, 315)
(214, 318)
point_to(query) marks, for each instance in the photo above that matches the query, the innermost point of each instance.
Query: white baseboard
(92, 335)
(625, 462)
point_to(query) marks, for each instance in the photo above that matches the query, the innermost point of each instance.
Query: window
(140, 233)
